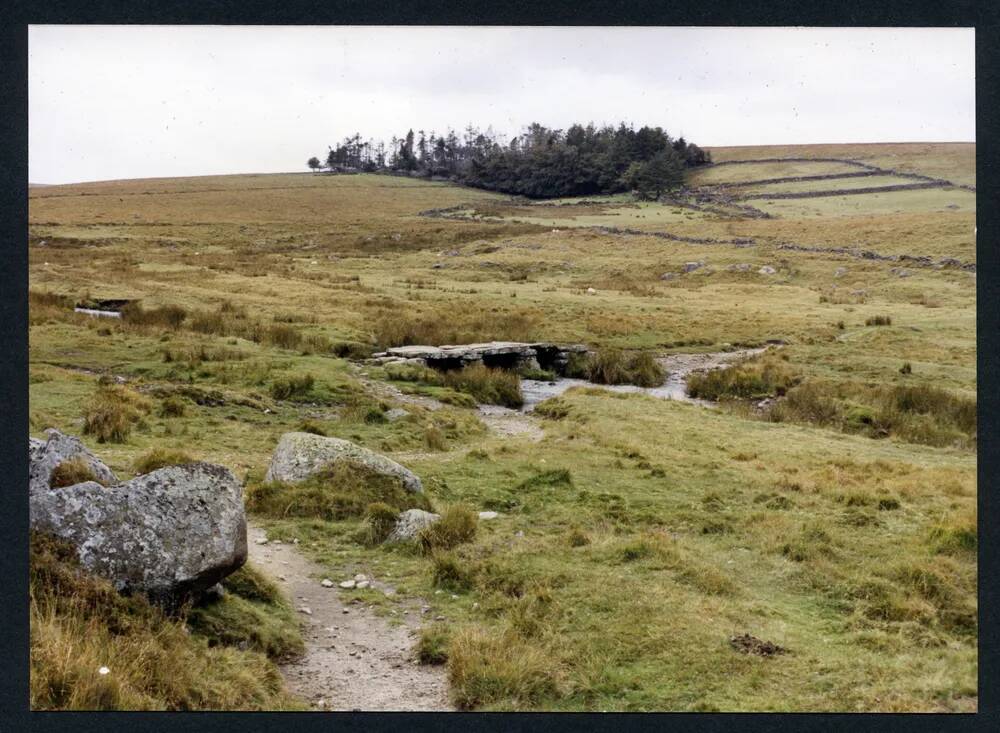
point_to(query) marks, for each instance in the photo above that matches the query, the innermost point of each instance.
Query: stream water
(98, 313)
(677, 366)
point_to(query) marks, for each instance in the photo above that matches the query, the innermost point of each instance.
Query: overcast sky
(111, 102)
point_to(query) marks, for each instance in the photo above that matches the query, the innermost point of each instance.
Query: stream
(678, 368)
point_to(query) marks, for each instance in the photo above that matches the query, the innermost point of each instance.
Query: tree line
(540, 162)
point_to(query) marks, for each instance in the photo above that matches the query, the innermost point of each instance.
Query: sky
(110, 102)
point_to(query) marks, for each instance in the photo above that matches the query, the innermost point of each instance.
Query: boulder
(410, 523)
(840, 272)
(301, 455)
(668, 276)
(692, 266)
(171, 533)
(742, 267)
(46, 455)
(767, 270)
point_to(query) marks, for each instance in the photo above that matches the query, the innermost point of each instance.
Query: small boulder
(300, 455)
(767, 270)
(840, 272)
(741, 267)
(410, 523)
(692, 266)
(45, 456)
(668, 276)
(171, 533)
(488, 515)
(326, 583)
(348, 584)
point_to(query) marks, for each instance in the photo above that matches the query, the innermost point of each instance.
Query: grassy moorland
(638, 535)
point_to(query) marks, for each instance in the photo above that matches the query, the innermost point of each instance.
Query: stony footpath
(354, 659)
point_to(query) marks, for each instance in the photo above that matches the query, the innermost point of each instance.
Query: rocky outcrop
(171, 533)
(45, 455)
(410, 524)
(301, 455)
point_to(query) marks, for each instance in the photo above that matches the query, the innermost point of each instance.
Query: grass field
(639, 535)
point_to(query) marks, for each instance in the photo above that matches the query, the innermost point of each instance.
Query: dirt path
(508, 423)
(354, 660)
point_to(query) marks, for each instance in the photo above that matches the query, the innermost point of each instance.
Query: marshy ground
(636, 536)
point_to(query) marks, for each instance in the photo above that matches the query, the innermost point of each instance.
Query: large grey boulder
(173, 532)
(45, 455)
(410, 523)
(301, 455)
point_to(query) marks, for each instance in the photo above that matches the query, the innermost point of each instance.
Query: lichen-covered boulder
(171, 533)
(410, 523)
(45, 455)
(300, 455)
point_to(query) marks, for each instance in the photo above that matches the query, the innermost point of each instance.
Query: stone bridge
(496, 354)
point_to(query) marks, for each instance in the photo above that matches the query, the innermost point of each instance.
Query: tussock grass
(169, 317)
(80, 624)
(747, 381)
(501, 670)
(252, 614)
(481, 383)
(957, 536)
(379, 521)
(879, 321)
(295, 387)
(159, 458)
(456, 526)
(432, 646)
(311, 426)
(351, 349)
(112, 412)
(913, 413)
(283, 336)
(413, 373)
(76, 470)
(449, 572)
(343, 490)
(577, 538)
(612, 366)
(434, 438)
(489, 386)
(553, 408)
(173, 406)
